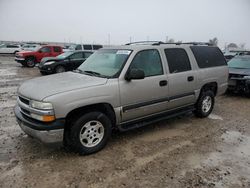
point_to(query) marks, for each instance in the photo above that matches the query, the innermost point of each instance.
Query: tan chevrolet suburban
(122, 87)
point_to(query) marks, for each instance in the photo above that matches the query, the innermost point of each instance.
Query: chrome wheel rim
(206, 104)
(91, 133)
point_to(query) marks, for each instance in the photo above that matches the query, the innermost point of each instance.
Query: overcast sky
(93, 21)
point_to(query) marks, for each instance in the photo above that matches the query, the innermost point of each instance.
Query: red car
(30, 58)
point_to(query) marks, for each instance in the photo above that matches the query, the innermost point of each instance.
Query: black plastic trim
(165, 99)
(155, 118)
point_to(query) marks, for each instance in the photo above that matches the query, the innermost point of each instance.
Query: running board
(155, 118)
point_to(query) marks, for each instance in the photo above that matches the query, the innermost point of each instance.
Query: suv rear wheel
(89, 133)
(205, 104)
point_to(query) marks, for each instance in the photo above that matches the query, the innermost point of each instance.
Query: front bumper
(19, 59)
(46, 69)
(45, 132)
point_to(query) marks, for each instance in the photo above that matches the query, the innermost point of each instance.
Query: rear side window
(177, 60)
(57, 49)
(207, 56)
(96, 47)
(87, 47)
(12, 46)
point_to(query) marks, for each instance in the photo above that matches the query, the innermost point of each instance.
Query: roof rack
(143, 42)
(176, 43)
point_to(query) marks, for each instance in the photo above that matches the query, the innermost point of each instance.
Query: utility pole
(109, 39)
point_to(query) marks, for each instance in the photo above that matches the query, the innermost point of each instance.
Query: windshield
(240, 62)
(105, 63)
(64, 55)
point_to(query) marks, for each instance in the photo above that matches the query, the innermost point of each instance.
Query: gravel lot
(181, 152)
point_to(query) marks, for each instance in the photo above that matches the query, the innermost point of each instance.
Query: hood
(46, 59)
(42, 87)
(239, 71)
(25, 53)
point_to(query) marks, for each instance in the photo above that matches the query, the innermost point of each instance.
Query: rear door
(140, 98)
(181, 78)
(57, 50)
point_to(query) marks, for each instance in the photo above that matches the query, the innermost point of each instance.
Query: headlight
(41, 105)
(49, 63)
(247, 77)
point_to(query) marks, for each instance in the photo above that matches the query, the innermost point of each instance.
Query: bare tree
(232, 45)
(214, 41)
(242, 45)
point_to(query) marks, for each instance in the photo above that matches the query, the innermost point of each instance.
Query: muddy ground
(181, 152)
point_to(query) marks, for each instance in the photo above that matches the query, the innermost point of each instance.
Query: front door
(145, 97)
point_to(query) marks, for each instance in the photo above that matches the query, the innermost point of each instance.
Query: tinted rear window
(207, 56)
(96, 47)
(87, 47)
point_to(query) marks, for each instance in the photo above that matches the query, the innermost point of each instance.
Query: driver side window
(149, 61)
(45, 50)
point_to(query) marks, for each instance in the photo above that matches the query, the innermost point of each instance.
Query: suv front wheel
(205, 104)
(89, 133)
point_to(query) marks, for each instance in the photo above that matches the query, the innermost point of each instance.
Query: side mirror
(135, 74)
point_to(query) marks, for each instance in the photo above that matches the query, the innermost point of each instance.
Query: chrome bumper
(48, 137)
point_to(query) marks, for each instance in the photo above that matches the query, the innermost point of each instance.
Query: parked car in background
(30, 47)
(90, 47)
(30, 58)
(121, 88)
(67, 61)
(231, 54)
(239, 74)
(10, 48)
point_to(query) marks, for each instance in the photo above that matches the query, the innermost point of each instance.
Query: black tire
(24, 64)
(59, 69)
(43, 73)
(30, 62)
(202, 108)
(73, 134)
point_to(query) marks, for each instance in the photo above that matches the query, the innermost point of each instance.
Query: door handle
(190, 78)
(163, 83)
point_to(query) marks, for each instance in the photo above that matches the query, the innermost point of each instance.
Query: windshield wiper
(78, 71)
(92, 73)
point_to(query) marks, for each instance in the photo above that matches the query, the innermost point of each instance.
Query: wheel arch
(212, 86)
(105, 108)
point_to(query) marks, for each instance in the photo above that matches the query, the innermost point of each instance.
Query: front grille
(25, 101)
(25, 111)
(236, 75)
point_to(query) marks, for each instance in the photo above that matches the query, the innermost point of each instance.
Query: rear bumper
(45, 132)
(222, 89)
